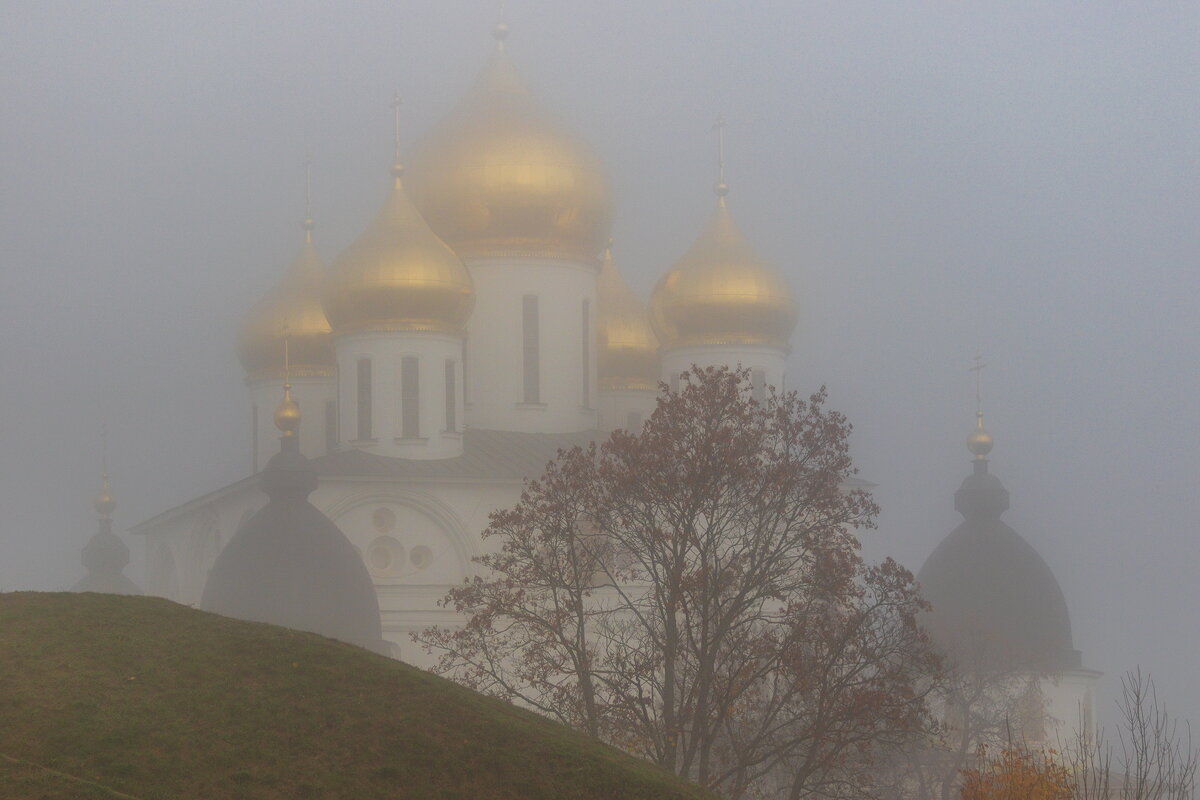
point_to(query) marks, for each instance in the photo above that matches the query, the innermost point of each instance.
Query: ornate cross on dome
(978, 370)
(308, 220)
(287, 415)
(721, 188)
(979, 442)
(397, 167)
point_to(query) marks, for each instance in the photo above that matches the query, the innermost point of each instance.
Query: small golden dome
(980, 442)
(287, 413)
(398, 276)
(721, 293)
(627, 356)
(500, 177)
(292, 308)
(104, 502)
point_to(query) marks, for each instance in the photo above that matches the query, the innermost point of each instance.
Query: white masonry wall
(495, 376)
(386, 351)
(770, 360)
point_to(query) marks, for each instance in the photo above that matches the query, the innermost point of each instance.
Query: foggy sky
(934, 179)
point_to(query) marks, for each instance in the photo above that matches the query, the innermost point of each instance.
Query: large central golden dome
(398, 276)
(722, 293)
(501, 177)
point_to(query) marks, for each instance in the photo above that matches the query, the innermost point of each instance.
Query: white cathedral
(475, 327)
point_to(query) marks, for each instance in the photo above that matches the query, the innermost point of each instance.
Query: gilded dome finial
(980, 442)
(287, 414)
(308, 223)
(397, 164)
(721, 188)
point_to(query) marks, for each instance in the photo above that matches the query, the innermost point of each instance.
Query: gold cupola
(627, 349)
(398, 275)
(501, 177)
(292, 309)
(721, 292)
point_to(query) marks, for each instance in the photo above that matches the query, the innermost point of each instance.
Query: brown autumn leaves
(694, 594)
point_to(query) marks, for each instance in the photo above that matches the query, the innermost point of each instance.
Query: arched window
(364, 399)
(586, 358)
(451, 398)
(410, 398)
(530, 349)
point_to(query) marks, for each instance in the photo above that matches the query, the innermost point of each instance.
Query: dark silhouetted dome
(290, 565)
(105, 556)
(993, 596)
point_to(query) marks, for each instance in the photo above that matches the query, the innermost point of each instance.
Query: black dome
(992, 596)
(105, 557)
(290, 565)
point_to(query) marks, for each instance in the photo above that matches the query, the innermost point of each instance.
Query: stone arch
(164, 574)
(203, 546)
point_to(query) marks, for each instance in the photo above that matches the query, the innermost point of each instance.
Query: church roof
(498, 455)
(487, 456)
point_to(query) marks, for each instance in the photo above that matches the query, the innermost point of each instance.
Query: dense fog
(935, 180)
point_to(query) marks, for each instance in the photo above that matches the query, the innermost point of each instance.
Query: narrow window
(529, 337)
(254, 437)
(586, 360)
(410, 398)
(451, 400)
(331, 433)
(675, 384)
(466, 399)
(758, 384)
(364, 399)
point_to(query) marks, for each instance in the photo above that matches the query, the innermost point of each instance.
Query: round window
(384, 519)
(421, 556)
(385, 556)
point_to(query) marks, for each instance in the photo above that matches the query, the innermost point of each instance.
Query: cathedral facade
(479, 325)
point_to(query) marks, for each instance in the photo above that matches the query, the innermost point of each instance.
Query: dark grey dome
(105, 557)
(992, 596)
(290, 565)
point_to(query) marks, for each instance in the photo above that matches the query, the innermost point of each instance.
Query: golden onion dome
(627, 356)
(500, 177)
(722, 293)
(980, 441)
(398, 276)
(293, 310)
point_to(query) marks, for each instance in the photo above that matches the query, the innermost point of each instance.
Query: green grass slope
(104, 696)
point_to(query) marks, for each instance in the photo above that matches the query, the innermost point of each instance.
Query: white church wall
(764, 362)
(565, 399)
(417, 539)
(181, 549)
(625, 408)
(386, 352)
(1070, 706)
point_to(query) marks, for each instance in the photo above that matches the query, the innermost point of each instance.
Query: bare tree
(695, 595)
(1153, 758)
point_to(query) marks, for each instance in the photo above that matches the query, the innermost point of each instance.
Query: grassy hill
(104, 696)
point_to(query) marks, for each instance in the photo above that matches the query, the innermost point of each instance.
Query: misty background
(933, 178)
